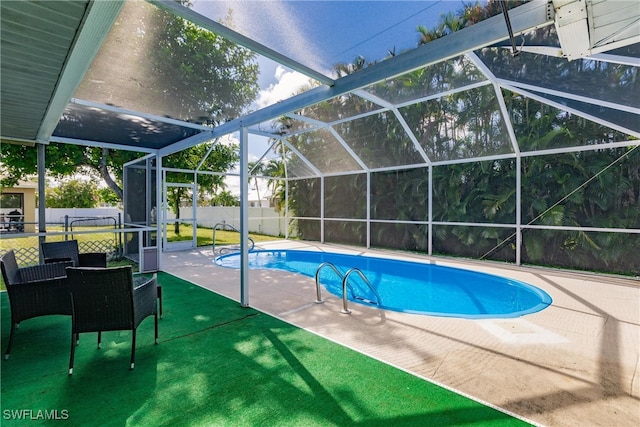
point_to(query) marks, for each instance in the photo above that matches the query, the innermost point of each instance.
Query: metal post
(430, 202)
(244, 217)
(42, 224)
(159, 210)
(120, 247)
(322, 209)
(141, 266)
(368, 210)
(518, 209)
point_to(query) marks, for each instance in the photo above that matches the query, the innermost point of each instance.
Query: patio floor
(574, 363)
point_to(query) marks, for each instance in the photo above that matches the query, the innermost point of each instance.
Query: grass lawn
(204, 236)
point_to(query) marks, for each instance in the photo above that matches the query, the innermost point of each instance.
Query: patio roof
(57, 86)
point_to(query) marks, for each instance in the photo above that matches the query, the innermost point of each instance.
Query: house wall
(28, 191)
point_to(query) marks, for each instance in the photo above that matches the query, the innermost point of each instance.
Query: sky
(320, 34)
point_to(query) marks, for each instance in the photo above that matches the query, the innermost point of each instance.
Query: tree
(255, 169)
(225, 198)
(211, 78)
(208, 78)
(277, 169)
(219, 159)
(108, 197)
(18, 161)
(72, 194)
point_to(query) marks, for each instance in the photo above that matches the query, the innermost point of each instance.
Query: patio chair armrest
(93, 259)
(44, 271)
(40, 297)
(145, 299)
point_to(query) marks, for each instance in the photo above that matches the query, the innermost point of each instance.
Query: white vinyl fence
(57, 215)
(261, 220)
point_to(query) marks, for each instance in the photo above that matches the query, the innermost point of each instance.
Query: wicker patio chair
(35, 291)
(105, 299)
(67, 250)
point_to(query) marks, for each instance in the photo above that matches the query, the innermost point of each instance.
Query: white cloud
(229, 139)
(287, 84)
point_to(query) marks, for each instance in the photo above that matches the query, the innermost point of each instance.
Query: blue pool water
(407, 286)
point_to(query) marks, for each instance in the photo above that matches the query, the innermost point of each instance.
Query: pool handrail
(345, 305)
(345, 279)
(231, 228)
(318, 292)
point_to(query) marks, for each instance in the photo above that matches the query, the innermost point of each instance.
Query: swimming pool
(406, 286)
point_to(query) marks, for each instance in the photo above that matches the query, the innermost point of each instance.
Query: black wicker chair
(67, 250)
(104, 299)
(35, 291)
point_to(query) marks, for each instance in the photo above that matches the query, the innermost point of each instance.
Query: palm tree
(255, 169)
(276, 169)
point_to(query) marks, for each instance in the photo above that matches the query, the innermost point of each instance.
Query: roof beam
(87, 143)
(189, 142)
(98, 19)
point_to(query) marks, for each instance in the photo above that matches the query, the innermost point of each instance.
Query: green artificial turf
(217, 364)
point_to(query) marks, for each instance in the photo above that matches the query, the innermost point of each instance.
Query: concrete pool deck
(575, 363)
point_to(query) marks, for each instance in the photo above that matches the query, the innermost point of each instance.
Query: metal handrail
(334, 268)
(229, 227)
(345, 305)
(345, 278)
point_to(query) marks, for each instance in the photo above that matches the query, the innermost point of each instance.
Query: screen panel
(324, 151)
(489, 243)
(400, 195)
(380, 141)
(478, 192)
(599, 80)
(589, 189)
(432, 80)
(463, 125)
(346, 232)
(583, 250)
(345, 196)
(405, 237)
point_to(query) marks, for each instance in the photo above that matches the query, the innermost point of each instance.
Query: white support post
(141, 265)
(518, 209)
(194, 211)
(244, 217)
(322, 209)
(368, 210)
(159, 210)
(286, 209)
(430, 204)
(42, 222)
